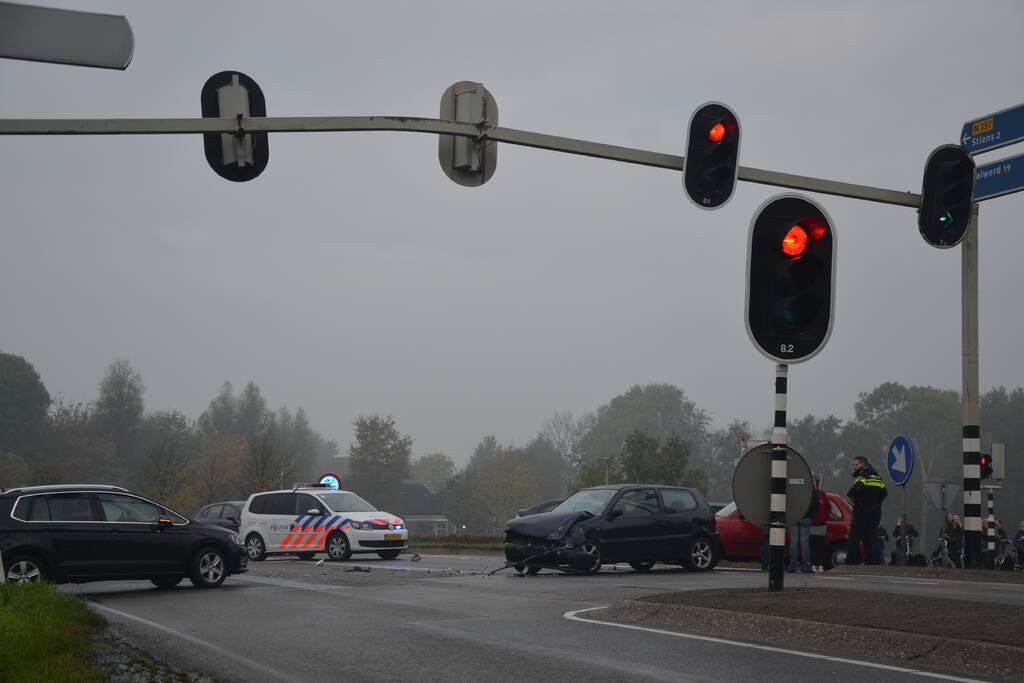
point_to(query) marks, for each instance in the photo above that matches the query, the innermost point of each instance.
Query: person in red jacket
(819, 519)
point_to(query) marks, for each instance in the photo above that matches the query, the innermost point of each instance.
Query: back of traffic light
(711, 164)
(790, 278)
(946, 195)
(241, 156)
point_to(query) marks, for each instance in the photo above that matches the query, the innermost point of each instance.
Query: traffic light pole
(970, 398)
(480, 132)
(779, 475)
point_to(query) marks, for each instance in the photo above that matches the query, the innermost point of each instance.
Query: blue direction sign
(999, 178)
(900, 460)
(993, 131)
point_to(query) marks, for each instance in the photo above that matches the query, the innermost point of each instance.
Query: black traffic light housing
(986, 466)
(791, 266)
(946, 195)
(711, 164)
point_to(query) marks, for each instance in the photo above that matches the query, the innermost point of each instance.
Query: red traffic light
(717, 133)
(795, 241)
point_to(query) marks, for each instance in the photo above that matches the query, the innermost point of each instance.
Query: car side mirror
(165, 522)
(314, 511)
(615, 514)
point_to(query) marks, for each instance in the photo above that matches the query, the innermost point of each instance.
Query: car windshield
(592, 501)
(727, 510)
(344, 501)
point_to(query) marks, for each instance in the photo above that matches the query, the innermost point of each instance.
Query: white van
(310, 519)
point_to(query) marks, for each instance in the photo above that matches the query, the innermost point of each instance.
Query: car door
(678, 508)
(308, 527)
(633, 526)
(80, 540)
(230, 517)
(140, 545)
(210, 514)
(281, 521)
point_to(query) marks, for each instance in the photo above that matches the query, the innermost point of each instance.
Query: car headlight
(361, 526)
(237, 540)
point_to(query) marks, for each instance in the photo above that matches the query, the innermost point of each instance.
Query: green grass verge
(458, 542)
(46, 635)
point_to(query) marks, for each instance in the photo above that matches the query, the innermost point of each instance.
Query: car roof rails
(98, 487)
(296, 487)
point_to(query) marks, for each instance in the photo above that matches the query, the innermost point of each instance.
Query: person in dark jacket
(953, 534)
(904, 534)
(1018, 543)
(866, 496)
(881, 539)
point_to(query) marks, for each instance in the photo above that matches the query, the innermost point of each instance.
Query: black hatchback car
(227, 514)
(638, 524)
(82, 533)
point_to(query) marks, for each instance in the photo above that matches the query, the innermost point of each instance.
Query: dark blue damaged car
(639, 524)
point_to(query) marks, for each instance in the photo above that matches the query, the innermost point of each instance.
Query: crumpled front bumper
(546, 554)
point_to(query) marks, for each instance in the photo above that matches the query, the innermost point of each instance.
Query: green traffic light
(946, 219)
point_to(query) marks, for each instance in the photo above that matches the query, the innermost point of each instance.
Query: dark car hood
(546, 524)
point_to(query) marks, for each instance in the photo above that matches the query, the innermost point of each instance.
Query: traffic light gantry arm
(322, 124)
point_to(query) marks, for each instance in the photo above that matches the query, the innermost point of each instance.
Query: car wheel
(835, 556)
(338, 549)
(255, 547)
(166, 581)
(389, 554)
(594, 550)
(208, 569)
(305, 556)
(642, 566)
(701, 555)
(25, 569)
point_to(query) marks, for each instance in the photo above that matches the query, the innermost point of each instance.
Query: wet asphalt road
(443, 619)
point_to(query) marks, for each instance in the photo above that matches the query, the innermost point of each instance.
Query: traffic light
(986, 466)
(790, 278)
(236, 156)
(946, 196)
(712, 156)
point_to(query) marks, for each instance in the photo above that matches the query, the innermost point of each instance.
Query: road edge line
(573, 616)
(196, 641)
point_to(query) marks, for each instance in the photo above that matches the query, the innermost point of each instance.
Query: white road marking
(572, 616)
(837, 578)
(736, 569)
(918, 583)
(202, 643)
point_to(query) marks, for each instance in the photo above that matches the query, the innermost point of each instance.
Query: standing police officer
(866, 496)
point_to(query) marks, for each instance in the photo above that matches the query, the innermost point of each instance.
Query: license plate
(392, 537)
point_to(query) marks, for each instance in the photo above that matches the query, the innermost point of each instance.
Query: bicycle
(943, 558)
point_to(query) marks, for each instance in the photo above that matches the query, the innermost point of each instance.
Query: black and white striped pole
(789, 300)
(777, 505)
(970, 397)
(991, 525)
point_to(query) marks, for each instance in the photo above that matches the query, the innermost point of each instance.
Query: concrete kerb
(880, 644)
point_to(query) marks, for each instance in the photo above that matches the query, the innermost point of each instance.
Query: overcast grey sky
(354, 277)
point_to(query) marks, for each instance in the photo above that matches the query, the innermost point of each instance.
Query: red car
(741, 540)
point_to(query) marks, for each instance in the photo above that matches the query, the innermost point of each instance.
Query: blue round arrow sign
(900, 460)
